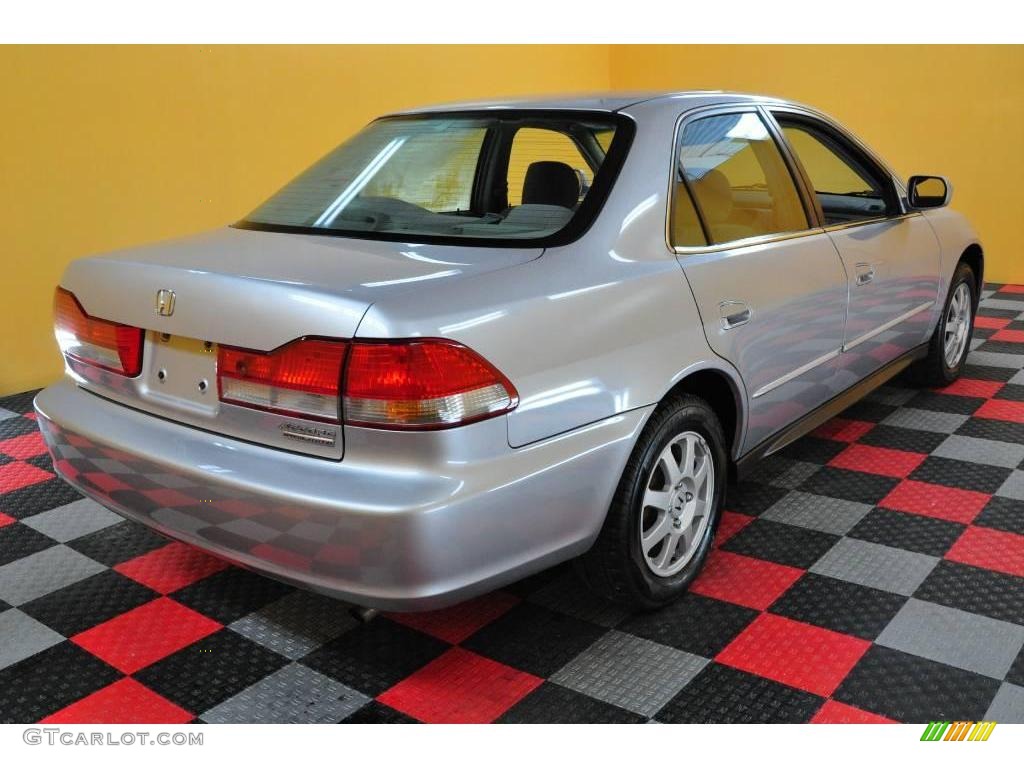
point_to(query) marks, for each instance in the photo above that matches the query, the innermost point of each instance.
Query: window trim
(892, 182)
(795, 173)
(580, 223)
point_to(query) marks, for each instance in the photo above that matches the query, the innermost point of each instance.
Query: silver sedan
(477, 340)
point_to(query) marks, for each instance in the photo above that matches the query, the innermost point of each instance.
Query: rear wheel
(662, 521)
(951, 341)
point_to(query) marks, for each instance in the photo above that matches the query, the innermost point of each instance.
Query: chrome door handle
(733, 314)
(865, 273)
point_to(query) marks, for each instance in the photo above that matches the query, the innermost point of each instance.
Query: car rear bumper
(407, 521)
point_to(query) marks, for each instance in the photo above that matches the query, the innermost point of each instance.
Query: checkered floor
(874, 572)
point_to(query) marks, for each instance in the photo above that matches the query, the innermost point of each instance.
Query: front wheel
(662, 520)
(951, 341)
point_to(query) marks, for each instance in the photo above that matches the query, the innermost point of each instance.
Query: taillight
(302, 378)
(101, 343)
(422, 384)
(414, 384)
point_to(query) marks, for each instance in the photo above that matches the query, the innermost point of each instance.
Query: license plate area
(181, 373)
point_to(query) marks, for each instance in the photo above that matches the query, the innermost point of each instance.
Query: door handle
(865, 273)
(733, 314)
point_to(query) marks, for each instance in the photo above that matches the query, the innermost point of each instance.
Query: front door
(771, 289)
(891, 258)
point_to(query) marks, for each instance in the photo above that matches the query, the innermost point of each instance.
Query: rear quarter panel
(601, 326)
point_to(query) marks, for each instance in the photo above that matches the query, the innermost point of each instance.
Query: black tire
(615, 567)
(933, 371)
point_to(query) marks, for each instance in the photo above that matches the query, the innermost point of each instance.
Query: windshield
(519, 177)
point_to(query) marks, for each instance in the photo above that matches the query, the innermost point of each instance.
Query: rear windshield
(515, 178)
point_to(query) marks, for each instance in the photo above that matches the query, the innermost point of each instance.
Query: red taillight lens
(101, 343)
(422, 384)
(302, 378)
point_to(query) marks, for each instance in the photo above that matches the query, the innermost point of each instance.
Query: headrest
(549, 182)
(715, 195)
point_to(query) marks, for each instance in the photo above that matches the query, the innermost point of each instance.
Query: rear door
(892, 258)
(769, 284)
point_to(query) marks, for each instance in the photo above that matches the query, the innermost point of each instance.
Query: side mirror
(929, 191)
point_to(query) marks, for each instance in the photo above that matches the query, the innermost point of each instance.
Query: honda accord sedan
(478, 340)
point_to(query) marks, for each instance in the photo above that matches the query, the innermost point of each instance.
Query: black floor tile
(752, 498)
(88, 602)
(373, 657)
(39, 497)
(551, 703)
(900, 438)
(18, 541)
(781, 543)
(960, 474)
(721, 694)
(46, 682)
(841, 606)
(231, 594)
(977, 590)
(916, 533)
(118, 543)
(696, 624)
(915, 690)
(847, 484)
(210, 671)
(1004, 514)
(534, 639)
(933, 401)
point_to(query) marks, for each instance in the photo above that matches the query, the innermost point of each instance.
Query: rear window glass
(516, 177)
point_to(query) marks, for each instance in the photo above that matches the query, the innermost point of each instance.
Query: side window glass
(846, 188)
(546, 167)
(740, 183)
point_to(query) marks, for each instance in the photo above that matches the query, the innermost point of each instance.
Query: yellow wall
(104, 147)
(951, 110)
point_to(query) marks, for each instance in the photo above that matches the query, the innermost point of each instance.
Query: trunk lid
(257, 290)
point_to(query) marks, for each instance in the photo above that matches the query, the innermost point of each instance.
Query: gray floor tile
(1004, 304)
(1008, 705)
(995, 359)
(783, 472)
(821, 513)
(875, 565)
(630, 672)
(42, 573)
(950, 636)
(1018, 378)
(891, 395)
(981, 451)
(1013, 486)
(294, 694)
(22, 636)
(296, 624)
(73, 520)
(5, 414)
(928, 421)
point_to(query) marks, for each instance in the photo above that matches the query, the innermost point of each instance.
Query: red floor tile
(1003, 410)
(1007, 334)
(954, 504)
(835, 712)
(744, 580)
(24, 446)
(455, 624)
(1010, 288)
(6, 520)
(797, 654)
(972, 388)
(988, 548)
(18, 474)
(126, 701)
(146, 634)
(878, 461)
(846, 430)
(730, 524)
(991, 322)
(460, 687)
(171, 567)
